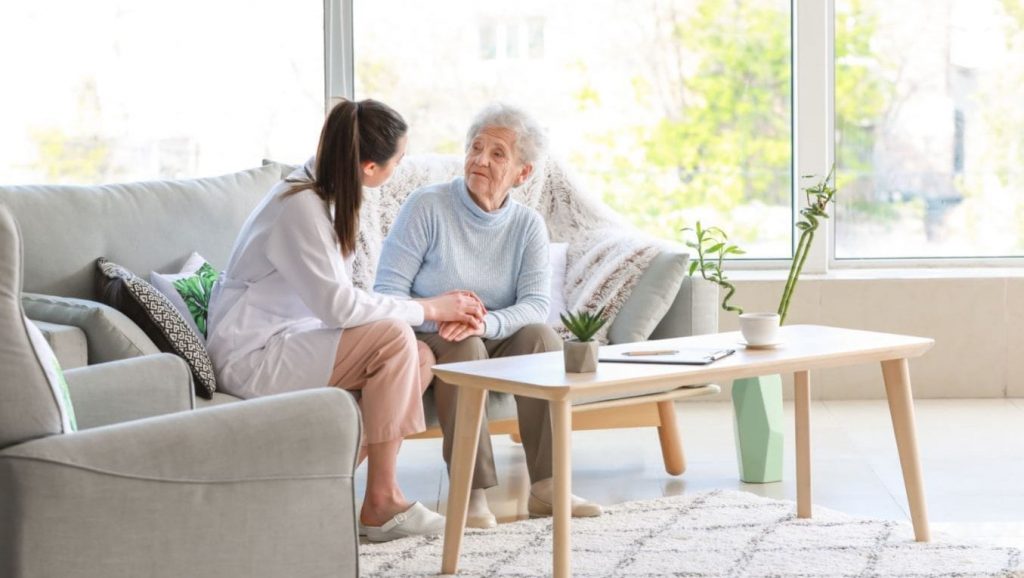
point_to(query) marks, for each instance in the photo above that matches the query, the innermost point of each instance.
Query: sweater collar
(478, 214)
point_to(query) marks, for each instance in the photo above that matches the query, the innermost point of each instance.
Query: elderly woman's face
(492, 165)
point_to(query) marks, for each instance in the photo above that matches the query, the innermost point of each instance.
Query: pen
(661, 352)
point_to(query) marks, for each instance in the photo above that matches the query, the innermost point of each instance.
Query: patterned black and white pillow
(158, 318)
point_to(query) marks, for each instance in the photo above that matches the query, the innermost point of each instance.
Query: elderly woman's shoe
(418, 520)
(479, 514)
(542, 496)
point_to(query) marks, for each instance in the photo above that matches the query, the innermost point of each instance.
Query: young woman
(285, 316)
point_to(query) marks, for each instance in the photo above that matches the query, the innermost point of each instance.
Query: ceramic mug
(760, 328)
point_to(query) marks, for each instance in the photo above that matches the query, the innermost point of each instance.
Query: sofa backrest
(27, 407)
(145, 226)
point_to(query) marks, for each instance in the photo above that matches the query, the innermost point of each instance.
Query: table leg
(469, 413)
(668, 434)
(802, 399)
(896, 373)
(561, 433)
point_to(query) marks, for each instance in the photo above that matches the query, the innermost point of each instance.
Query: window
(114, 90)
(929, 128)
(671, 110)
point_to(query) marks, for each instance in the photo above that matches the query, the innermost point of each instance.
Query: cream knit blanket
(606, 256)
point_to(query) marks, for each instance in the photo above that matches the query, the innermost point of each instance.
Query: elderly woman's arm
(533, 288)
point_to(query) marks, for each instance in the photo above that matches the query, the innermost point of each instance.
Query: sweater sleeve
(533, 288)
(403, 253)
(303, 249)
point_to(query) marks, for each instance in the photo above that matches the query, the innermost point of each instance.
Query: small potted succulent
(581, 353)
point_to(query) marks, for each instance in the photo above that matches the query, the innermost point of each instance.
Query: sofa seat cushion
(68, 343)
(218, 398)
(154, 313)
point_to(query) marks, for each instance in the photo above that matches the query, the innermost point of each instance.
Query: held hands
(456, 331)
(462, 307)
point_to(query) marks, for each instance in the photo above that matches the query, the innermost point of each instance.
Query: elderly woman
(470, 234)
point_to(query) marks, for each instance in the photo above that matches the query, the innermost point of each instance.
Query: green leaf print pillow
(189, 291)
(54, 376)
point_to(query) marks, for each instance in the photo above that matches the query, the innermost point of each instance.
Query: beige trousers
(388, 371)
(534, 416)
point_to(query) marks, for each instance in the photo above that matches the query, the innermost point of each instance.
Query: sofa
(144, 488)
(155, 226)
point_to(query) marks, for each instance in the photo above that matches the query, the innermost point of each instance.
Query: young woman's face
(375, 175)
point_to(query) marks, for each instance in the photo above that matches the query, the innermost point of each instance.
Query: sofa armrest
(109, 333)
(130, 389)
(261, 489)
(307, 433)
(694, 311)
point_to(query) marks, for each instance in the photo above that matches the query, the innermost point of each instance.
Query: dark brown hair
(354, 133)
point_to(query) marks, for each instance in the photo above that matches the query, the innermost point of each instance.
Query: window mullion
(338, 54)
(813, 25)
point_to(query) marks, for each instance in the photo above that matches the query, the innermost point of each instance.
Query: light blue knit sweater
(442, 240)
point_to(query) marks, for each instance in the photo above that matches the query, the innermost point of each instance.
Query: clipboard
(666, 356)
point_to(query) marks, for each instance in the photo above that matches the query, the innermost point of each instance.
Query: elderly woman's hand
(455, 331)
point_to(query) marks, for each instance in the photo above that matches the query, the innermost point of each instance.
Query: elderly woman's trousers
(534, 417)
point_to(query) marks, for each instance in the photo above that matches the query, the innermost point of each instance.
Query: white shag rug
(719, 533)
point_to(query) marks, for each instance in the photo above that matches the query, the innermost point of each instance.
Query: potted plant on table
(757, 401)
(581, 353)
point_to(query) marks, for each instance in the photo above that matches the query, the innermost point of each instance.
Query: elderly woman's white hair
(531, 141)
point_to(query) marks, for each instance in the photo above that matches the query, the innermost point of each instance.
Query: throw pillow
(154, 313)
(559, 253)
(54, 375)
(189, 291)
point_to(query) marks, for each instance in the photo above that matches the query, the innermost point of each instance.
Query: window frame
(813, 117)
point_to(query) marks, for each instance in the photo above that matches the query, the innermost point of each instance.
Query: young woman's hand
(460, 306)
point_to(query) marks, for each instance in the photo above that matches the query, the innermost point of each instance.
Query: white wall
(975, 317)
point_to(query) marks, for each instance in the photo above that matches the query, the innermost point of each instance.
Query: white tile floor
(972, 455)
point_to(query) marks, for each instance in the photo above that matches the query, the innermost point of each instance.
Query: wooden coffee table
(805, 347)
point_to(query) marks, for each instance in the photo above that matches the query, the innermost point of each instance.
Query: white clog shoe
(418, 520)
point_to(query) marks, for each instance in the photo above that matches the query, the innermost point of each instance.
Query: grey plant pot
(580, 357)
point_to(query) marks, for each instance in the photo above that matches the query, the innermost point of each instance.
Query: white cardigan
(278, 310)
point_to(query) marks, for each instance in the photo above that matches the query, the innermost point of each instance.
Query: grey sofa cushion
(149, 226)
(650, 299)
(68, 343)
(28, 408)
(109, 333)
(694, 311)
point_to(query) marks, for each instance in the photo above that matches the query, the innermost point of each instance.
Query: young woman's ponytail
(354, 133)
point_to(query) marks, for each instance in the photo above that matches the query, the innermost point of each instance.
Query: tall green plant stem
(802, 249)
(818, 198)
(729, 287)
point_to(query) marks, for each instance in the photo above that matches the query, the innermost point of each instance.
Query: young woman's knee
(396, 334)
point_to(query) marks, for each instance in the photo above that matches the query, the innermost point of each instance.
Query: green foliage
(195, 290)
(712, 248)
(819, 195)
(65, 158)
(583, 324)
(725, 138)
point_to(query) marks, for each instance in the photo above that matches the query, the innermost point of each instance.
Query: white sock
(478, 504)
